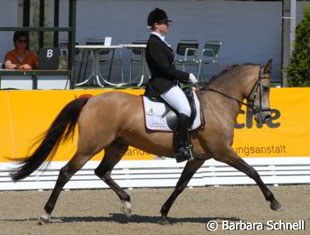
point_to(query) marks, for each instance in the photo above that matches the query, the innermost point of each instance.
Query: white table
(144, 69)
(95, 73)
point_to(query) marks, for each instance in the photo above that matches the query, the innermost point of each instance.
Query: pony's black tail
(61, 128)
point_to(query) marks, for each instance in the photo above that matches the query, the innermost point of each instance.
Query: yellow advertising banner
(288, 133)
(25, 115)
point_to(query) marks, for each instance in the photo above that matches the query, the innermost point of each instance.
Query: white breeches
(176, 98)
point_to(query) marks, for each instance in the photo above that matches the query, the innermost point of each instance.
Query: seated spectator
(21, 57)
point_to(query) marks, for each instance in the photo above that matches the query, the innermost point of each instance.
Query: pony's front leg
(190, 168)
(228, 156)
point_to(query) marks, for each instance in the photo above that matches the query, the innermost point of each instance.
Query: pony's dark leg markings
(113, 154)
(190, 169)
(232, 159)
(65, 174)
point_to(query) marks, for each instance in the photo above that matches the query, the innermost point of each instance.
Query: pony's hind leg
(65, 174)
(113, 154)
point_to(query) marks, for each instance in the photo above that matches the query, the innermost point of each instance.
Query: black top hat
(157, 16)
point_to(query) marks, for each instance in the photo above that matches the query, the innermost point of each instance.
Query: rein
(227, 96)
(252, 96)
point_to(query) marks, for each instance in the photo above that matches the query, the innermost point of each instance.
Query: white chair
(136, 57)
(209, 55)
(187, 54)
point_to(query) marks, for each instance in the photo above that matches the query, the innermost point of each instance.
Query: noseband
(258, 86)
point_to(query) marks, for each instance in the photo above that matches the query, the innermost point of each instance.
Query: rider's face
(162, 28)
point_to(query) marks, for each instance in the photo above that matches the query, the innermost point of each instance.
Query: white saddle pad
(155, 114)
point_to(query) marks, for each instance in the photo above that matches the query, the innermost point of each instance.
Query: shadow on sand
(122, 219)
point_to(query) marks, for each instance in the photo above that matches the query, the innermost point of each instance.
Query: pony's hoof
(164, 221)
(276, 206)
(126, 208)
(44, 219)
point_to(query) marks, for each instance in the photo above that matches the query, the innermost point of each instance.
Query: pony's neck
(238, 82)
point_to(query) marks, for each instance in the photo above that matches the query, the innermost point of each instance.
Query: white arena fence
(165, 173)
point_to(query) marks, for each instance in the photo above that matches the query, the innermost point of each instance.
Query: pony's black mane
(227, 70)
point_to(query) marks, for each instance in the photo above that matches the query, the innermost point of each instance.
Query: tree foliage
(35, 16)
(298, 70)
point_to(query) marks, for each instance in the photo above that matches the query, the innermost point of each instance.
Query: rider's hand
(192, 79)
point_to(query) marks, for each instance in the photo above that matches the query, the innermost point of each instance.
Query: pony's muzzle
(263, 116)
(267, 118)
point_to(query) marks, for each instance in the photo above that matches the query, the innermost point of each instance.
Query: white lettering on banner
(49, 53)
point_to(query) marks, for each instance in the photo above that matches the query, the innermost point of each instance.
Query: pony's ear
(268, 67)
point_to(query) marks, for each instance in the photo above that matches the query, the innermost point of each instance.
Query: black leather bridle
(257, 89)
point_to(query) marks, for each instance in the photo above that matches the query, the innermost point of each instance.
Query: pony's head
(256, 89)
(260, 93)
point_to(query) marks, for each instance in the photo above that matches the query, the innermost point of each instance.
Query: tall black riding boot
(182, 150)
